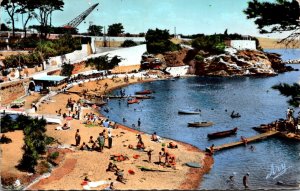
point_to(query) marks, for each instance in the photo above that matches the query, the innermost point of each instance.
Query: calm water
(252, 97)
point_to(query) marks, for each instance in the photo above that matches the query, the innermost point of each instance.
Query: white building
(243, 44)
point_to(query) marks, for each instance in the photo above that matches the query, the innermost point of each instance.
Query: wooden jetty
(92, 95)
(249, 139)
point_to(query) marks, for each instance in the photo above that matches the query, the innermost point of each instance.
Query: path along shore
(76, 164)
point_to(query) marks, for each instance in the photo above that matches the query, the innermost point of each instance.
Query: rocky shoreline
(230, 63)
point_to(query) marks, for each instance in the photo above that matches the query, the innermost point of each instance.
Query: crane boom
(76, 21)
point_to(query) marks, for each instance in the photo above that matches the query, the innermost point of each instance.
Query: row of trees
(41, 10)
(113, 30)
(35, 140)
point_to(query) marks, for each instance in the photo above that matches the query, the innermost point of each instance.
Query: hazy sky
(188, 16)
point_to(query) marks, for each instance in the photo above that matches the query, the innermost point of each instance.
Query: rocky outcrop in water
(230, 63)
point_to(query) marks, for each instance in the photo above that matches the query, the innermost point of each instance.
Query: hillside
(270, 43)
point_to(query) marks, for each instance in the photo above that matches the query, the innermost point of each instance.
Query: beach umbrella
(69, 118)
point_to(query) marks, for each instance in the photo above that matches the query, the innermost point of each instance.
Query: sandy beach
(76, 164)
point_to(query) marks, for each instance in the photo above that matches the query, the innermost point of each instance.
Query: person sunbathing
(95, 147)
(112, 167)
(172, 160)
(172, 145)
(154, 137)
(65, 127)
(120, 177)
(140, 145)
(85, 147)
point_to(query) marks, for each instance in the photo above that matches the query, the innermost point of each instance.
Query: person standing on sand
(101, 140)
(77, 138)
(149, 153)
(109, 140)
(245, 180)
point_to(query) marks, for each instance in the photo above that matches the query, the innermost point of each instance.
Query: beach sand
(78, 164)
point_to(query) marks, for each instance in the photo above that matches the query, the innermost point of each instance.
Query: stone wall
(11, 91)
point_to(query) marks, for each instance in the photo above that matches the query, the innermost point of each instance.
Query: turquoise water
(252, 97)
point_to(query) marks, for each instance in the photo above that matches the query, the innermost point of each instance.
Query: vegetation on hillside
(158, 41)
(212, 44)
(104, 62)
(44, 49)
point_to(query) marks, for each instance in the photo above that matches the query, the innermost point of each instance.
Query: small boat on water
(189, 112)
(143, 97)
(144, 92)
(222, 133)
(132, 101)
(200, 124)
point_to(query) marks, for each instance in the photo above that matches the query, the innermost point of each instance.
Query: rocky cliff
(230, 63)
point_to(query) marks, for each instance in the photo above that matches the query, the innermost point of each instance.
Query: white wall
(72, 57)
(243, 44)
(131, 55)
(121, 39)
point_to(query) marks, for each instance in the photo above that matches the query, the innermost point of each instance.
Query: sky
(188, 16)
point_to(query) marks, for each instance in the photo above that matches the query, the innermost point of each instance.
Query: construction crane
(75, 22)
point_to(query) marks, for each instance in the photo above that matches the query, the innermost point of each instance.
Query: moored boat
(144, 92)
(143, 97)
(132, 101)
(200, 124)
(189, 112)
(222, 133)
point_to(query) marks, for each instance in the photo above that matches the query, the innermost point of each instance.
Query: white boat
(189, 112)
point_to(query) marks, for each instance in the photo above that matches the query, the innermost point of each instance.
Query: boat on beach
(200, 124)
(144, 92)
(222, 134)
(189, 112)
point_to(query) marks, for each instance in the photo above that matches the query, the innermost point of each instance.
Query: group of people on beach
(95, 144)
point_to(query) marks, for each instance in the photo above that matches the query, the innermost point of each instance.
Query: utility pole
(174, 32)
(104, 37)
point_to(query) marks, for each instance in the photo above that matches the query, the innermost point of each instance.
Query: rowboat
(133, 101)
(200, 124)
(188, 112)
(144, 92)
(222, 134)
(143, 97)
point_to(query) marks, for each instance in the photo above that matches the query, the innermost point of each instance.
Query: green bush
(212, 43)
(199, 58)
(54, 155)
(158, 41)
(128, 43)
(67, 69)
(49, 140)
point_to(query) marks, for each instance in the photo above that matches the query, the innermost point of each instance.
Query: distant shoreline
(270, 43)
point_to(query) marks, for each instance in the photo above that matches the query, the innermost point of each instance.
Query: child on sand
(149, 155)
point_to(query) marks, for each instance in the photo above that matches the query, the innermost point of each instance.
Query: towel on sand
(90, 185)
